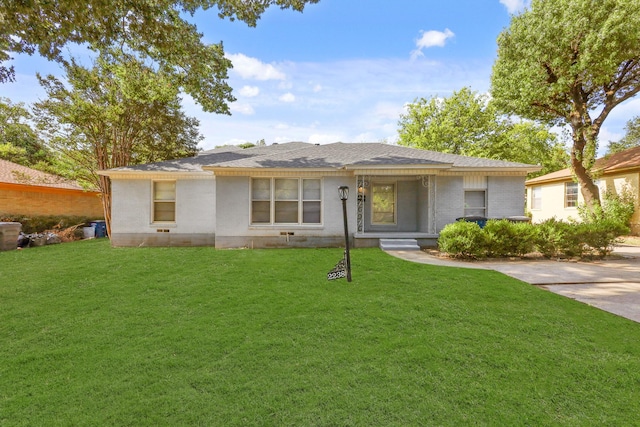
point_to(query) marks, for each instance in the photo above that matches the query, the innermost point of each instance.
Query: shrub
(600, 236)
(41, 223)
(616, 207)
(505, 238)
(462, 239)
(555, 238)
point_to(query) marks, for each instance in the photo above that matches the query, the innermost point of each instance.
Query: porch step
(399, 245)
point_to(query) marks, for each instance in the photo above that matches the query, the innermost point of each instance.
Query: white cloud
(317, 88)
(434, 38)
(249, 91)
(252, 68)
(242, 108)
(429, 39)
(288, 97)
(514, 6)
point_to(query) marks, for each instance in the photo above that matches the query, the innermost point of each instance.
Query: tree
(19, 142)
(570, 62)
(258, 143)
(467, 123)
(154, 30)
(629, 140)
(118, 113)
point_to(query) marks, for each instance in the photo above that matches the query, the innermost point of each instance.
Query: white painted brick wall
(505, 196)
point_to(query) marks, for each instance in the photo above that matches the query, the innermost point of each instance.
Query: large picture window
(570, 194)
(384, 203)
(286, 201)
(164, 201)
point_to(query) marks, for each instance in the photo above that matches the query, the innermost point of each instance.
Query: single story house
(26, 191)
(558, 195)
(286, 195)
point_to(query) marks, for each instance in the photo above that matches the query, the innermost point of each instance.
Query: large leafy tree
(19, 142)
(570, 62)
(117, 113)
(156, 30)
(629, 140)
(467, 123)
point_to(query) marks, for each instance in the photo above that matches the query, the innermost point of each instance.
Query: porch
(395, 207)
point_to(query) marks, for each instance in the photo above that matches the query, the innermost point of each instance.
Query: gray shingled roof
(303, 155)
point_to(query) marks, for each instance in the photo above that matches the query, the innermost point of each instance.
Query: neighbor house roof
(13, 173)
(615, 163)
(301, 155)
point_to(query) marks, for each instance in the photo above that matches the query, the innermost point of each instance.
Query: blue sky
(344, 69)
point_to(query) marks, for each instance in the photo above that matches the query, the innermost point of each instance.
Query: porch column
(429, 182)
(360, 179)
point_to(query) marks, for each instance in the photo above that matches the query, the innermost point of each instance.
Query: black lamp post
(343, 191)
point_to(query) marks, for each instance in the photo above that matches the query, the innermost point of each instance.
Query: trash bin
(480, 220)
(89, 232)
(518, 219)
(101, 228)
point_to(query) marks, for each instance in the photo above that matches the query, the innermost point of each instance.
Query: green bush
(551, 236)
(600, 236)
(505, 238)
(616, 207)
(596, 238)
(38, 224)
(462, 239)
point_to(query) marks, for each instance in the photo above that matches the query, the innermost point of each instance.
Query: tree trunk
(582, 162)
(589, 190)
(105, 192)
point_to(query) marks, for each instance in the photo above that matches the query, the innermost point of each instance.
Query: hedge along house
(26, 191)
(557, 194)
(286, 195)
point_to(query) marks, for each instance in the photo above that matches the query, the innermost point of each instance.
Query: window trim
(539, 198)
(566, 194)
(154, 201)
(485, 207)
(395, 202)
(272, 202)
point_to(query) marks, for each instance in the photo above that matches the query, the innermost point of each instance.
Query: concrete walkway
(612, 285)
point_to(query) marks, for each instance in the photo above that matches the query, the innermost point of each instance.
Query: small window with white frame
(475, 203)
(536, 197)
(164, 201)
(571, 194)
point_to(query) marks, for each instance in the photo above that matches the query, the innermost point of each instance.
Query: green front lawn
(91, 335)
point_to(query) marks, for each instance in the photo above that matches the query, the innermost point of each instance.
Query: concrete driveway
(612, 285)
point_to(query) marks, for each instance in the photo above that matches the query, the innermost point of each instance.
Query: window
(384, 204)
(475, 203)
(285, 201)
(536, 198)
(164, 201)
(570, 194)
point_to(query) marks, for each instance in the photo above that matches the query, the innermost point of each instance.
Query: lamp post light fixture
(343, 192)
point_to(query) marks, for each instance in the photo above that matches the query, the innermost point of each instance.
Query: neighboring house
(26, 191)
(287, 195)
(558, 195)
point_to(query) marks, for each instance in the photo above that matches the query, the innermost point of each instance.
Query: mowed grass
(91, 335)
